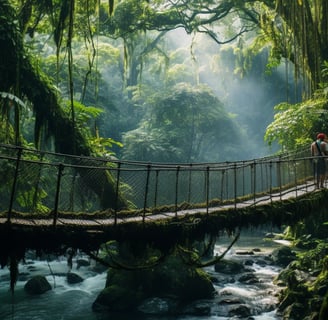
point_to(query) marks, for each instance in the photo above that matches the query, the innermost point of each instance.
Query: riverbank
(305, 280)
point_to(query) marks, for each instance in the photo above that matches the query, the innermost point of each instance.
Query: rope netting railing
(50, 185)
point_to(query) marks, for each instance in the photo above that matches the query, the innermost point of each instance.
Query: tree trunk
(17, 71)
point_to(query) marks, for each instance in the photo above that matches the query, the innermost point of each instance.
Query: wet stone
(248, 262)
(248, 278)
(244, 252)
(230, 301)
(229, 267)
(241, 311)
(261, 262)
(82, 263)
(37, 285)
(73, 278)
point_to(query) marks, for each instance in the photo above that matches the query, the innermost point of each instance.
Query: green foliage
(296, 124)
(134, 16)
(129, 16)
(7, 132)
(322, 91)
(32, 199)
(313, 258)
(85, 118)
(180, 125)
(84, 114)
(130, 21)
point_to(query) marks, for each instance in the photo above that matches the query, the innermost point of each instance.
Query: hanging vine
(308, 36)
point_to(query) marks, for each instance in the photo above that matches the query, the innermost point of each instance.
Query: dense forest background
(163, 81)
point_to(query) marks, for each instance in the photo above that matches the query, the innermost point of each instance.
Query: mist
(250, 97)
(242, 83)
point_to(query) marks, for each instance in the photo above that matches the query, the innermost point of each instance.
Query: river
(73, 302)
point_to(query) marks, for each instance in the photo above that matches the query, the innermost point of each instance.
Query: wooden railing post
(289, 172)
(156, 189)
(59, 175)
(243, 188)
(222, 183)
(270, 166)
(253, 178)
(35, 195)
(176, 190)
(267, 181)
(207, 187)
(235, 183)
(146, 193)
(295, 177)
(13, 189)
(279, 178)
(117, 191)
(189, 183)
(262, 176)
(306, 170)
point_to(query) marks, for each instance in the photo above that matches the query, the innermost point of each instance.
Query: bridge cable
(199, 264)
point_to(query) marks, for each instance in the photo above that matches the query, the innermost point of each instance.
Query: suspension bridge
(52, 192)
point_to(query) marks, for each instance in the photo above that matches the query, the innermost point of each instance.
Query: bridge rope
(112, 262)
(186, 255)
(45, 186)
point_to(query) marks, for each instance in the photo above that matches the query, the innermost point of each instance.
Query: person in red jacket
(319, 149)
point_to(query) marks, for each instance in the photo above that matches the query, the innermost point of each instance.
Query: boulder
(248, 278)
(248, 262)
(82, 263)
(261, 262)
(295, 311)
(172, 279)
(229, 266)
(240, 311)
(283, 256)
(37, 285)
(117, 298)
(73, 278)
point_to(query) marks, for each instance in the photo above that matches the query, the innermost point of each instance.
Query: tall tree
(184, 124)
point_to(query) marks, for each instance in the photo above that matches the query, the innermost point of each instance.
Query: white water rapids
(73, 301)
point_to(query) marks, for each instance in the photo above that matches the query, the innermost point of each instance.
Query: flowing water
(73, 301)
(260, 297)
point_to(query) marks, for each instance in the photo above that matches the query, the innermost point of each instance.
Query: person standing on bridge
(319, 149)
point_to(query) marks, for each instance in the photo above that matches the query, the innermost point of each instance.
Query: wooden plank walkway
(100, 223)
(161, 230)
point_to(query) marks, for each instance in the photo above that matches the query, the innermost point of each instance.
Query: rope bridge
(54, 187)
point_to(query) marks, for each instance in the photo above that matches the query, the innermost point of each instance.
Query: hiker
(319, 149)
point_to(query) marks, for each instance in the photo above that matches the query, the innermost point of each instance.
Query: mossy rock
(294, 311)
(37, 285)
(171, 279)
(283, 256)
